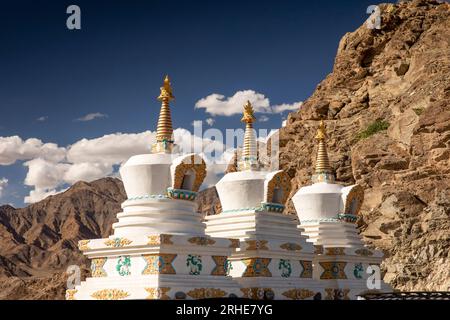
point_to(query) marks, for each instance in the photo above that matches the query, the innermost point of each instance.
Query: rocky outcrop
(38, 242)
(388, 119)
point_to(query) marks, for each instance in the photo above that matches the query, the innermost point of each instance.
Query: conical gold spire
(323, 171)
(164, 130)
(249, 158)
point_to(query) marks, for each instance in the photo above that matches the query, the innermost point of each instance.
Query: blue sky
(115, 64)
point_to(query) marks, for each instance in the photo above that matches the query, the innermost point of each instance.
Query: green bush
(374, 127)
(418, 111)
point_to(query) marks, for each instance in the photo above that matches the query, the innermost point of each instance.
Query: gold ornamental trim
(158, 239)
(118, 242)
(83, 245)
(257, 267)
(190, 163)
(298, 294)
(234, 243)
(318, 249)
(255, 293)
(335, 251)
(206, 293)
(201, 241)
(159, 264)
(110, 294)
(289, 246)
(333, 270)
(70, 294)
(354, 200)
(97, 269)
(280, 181)
(364, 252)
(337, 294)
(157, 293)
(256, 244)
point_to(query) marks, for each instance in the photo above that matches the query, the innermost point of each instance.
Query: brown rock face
(396, 77)
(41, 239)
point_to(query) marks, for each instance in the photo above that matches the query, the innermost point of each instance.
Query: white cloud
(14, 148)
(92, 116)
(111, 148)
(218, 104)
(287, 107)
(210, 121)
(87, 160)
(86, 171)
(43, 118)
(43, 174)
(52, 168)
(3, 185)
(263, 118)
(39, 194)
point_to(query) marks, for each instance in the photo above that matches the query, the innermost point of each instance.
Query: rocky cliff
(387, 111)
(40, 240)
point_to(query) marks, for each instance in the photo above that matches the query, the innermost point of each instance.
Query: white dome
(327, 201)
(244, 189)
(318, 201)
(146, 174)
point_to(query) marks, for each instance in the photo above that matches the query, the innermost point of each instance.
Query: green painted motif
(285, 267)
(358, 270)
(181, 194)
(228, 266)
(123, 265)
(194, 262)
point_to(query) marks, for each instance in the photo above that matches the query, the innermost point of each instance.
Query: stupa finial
(166, 90)
(249, 159)
(164, 130)
(323, 171)
(248, 116)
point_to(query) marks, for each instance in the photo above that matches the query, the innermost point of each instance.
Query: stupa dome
(250, 187)
(326, 200)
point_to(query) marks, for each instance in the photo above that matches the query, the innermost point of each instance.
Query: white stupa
(327, 212)
(162, 248)
(273, 261)
(159, 249)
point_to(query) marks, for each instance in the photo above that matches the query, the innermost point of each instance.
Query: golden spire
(323, 172)
(164, 130)
(248, 116)
(249, 152)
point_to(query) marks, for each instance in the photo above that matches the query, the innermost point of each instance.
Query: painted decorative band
(347, 217)
(243, 209)
(339, 218)
(149, 196)
(269, 206)
(181, 194)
